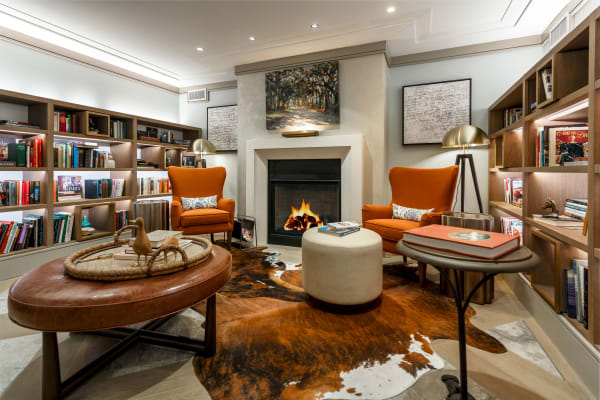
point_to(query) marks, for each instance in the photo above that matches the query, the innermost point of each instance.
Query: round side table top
(521, 260)
(47, 299)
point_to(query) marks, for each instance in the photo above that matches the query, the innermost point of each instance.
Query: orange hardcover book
(470, 242)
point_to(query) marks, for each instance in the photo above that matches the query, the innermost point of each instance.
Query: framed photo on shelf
(188, 160)
(429, 110)
(221, 127)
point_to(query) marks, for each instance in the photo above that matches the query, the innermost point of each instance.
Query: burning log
(302, 219)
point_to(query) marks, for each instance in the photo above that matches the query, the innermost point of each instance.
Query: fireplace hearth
(302, 194)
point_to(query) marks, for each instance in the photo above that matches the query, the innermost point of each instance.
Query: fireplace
(302, 194)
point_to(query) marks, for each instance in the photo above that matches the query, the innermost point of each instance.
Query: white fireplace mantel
(347, 148)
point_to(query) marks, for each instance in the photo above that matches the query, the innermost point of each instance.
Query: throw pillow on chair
(194, 203)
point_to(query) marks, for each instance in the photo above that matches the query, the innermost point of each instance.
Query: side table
(520, 260)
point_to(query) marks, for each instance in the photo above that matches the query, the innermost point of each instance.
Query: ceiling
(158, 39)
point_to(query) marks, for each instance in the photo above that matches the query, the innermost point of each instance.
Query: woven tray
(85, 264)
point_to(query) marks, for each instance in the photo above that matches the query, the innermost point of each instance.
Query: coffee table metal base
(52, 386)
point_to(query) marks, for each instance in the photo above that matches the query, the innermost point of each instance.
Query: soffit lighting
(314, 26)
(251, 38)
(569, 110)
(391, 9)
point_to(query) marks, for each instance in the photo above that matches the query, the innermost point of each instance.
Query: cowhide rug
(272, 344)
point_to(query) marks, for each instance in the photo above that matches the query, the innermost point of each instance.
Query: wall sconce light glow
(569, 110)
(41, 31)
(200, 49)
(391, 9)
(251, 38)
(314, 26)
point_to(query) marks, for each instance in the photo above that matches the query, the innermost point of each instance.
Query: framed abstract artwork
(429, 110)
(221, 127)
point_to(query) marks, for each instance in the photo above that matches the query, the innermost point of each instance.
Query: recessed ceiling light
(391, 9)
(252, 38)
(314, 26)
(199, 49)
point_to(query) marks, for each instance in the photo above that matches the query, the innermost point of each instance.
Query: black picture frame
(404, 143)
(208, 130)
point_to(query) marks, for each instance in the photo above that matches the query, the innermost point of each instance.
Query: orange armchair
(201, 182)
(414, 188)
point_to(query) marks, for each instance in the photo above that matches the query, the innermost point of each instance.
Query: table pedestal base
(52, 386)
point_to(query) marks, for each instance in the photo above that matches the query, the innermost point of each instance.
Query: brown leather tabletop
(47, 299)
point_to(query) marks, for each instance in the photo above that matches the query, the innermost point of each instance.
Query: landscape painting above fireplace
(303, 98)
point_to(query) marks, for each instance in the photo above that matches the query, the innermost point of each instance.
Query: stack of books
(562, 221)
(513, 191)
(67, 188)
(19, 193)
(65, 121)
(341, 228)
(512, 115)
(118, 129)
(512, 226)
(121, 219)
(576, 208)
(153, 186)
(63, 227)
(21, 235)
(25, 153)
(561, 145)
(469, 242)
(103, 188)
(80, 155)
(576, 288)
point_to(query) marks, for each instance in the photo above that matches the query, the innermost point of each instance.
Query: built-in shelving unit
(575, 63)
(40, 111)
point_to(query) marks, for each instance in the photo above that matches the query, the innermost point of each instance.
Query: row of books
(121, 219)
(513, 191)
(80, 155)
(576, 208)
(575, 302)
(27, 153)
(66, 121)
(21, 235)
(512, 115)
(153, 186)
(512, 226)
(68, 188)
(18, 193)
(561, 145)
(118, 129)
(63, 226)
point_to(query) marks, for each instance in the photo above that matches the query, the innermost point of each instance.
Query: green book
(21, 154)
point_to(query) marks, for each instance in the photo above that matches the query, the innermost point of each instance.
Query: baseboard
(583, 357)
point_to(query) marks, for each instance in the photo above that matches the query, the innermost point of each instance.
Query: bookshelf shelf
(578, 325)
(508, 169)
(56, 169)
(21, 252)
(509, 209)
(151, 169)
(23, 207)
(513, 127)
(573, 237)
(25, 169)
(22, 131)
(89, 138)
(560, 105)
(564, 169)
(147, 143)
(91, 201)
(149, 196)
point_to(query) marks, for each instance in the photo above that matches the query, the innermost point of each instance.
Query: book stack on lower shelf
(19, 193)
(103, 188)
(121, 219)
(512, 226)
(576, 208)
(341, 228)
(67, 188)
(63, 226)
(23, 235)
(576, 296)
(513, 191)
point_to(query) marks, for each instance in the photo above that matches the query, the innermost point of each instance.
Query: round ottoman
(345, 270)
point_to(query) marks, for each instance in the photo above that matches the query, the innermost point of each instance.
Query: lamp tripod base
(461, 159)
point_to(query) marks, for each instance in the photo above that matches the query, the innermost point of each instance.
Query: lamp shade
(465, 136)
(203, 146)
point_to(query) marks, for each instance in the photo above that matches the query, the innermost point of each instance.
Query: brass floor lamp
(202, 147)
(464, 137)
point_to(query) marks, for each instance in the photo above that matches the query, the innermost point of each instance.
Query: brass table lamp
(464, 137)
(202, 147)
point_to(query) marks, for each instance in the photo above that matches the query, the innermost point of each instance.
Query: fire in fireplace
(302, 194)
(302, 218)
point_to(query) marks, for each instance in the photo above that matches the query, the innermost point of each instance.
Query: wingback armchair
(414, 188)
(201, 182)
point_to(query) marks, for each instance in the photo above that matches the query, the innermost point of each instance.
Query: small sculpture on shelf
(550, 204)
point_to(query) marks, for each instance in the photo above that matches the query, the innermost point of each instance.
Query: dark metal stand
(461, 159)
(459, 390)
(54, 389)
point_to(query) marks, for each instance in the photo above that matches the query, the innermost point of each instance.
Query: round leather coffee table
(48, 300)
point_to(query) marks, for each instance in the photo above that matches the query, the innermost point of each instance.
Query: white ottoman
(345, 270)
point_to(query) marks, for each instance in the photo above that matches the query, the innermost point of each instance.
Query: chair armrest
(176, 211)
(370, 212)
(431, 218)
(227, 205)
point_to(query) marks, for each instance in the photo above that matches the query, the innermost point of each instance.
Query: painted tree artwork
(303, 98)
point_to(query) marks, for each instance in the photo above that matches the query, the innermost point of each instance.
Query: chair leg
(229, 235)
(405, 259)
(212, 237)
(422, 273)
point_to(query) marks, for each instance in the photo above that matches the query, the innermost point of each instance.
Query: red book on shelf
(38, 146)
(25, 193)
(62, 122)
(5, 240)
(470, 242)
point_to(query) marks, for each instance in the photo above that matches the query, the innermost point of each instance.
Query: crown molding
(211, 86)
(462, 51)
(319, 56)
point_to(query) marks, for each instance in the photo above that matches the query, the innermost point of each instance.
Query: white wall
(35, 72)
(363, 88)
(195, 114)
(491, 73)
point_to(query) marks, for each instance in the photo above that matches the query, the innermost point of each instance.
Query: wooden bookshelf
(149, 196)
(40, 111)
(575, 63)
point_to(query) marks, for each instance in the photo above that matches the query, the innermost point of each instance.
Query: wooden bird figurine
(141, 244)
(170, 241)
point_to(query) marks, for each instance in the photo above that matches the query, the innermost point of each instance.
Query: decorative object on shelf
(546, 74)
(464, 137)
(188, 159)
(221, 127)
(549, 203)
(85, 223)
(304, 97)
(86, 231)
(423, 124)
(203, 147)
(110, 162)
(166, 137)
(291, 134)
